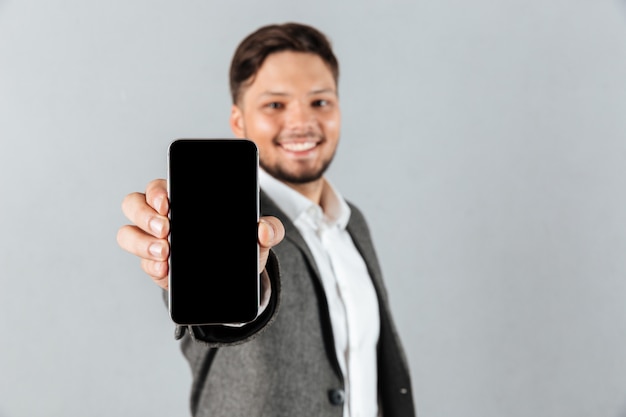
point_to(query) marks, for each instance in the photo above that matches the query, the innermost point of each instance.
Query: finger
(134, 240)
(158, 271)
(156, 196)
(141, 214)
(271, 231)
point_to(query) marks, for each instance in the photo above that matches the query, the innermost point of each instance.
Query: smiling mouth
(298, 146)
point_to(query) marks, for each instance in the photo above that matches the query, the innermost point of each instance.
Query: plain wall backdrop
(485, 141)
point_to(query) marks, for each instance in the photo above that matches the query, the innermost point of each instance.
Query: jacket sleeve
(219, 335)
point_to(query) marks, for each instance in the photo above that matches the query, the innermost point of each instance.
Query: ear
(236, 122)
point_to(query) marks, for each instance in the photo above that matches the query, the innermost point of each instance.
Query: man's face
(291, 111)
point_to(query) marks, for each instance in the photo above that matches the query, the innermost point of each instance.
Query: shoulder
(355, 210)
(357, 219)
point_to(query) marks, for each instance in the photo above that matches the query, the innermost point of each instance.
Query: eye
(320, 103)
(274, 105)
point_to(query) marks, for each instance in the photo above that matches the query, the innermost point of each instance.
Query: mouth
(299, 146)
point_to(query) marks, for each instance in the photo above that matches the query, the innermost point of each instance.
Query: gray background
(484, 140)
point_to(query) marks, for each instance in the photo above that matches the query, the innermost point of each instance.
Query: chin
(302, 177)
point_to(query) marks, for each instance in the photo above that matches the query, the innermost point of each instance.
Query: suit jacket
(284, 363)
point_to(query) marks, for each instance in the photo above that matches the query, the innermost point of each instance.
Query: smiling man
(331, 349)
(292, 112)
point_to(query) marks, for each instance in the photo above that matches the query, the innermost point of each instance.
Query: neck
(311, 190)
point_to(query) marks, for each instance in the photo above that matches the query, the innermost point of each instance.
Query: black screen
(213, 192)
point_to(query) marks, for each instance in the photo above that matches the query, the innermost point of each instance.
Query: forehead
(292, 72)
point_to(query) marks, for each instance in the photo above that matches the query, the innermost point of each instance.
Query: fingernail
(156, 250)
(158, 202)
(156, 225)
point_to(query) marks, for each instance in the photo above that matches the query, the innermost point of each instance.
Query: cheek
(332, 123)
(263, 126)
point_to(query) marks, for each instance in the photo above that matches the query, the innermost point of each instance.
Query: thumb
(271, 232)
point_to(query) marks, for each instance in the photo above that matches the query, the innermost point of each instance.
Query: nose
(299, 116)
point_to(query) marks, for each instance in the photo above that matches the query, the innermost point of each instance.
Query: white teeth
(298, 146)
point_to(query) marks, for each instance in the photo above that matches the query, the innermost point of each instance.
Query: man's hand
(147, 236)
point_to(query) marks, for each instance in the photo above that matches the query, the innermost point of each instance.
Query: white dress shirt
(351, 296)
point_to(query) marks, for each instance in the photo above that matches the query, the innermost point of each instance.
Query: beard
(302, 177)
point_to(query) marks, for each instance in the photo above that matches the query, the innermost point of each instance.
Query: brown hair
(257, 46)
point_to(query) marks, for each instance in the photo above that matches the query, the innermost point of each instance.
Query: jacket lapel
(269, 208)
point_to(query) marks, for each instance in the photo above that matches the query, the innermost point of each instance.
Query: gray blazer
(284, 364)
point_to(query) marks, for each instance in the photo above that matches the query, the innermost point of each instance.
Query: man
(330, 348)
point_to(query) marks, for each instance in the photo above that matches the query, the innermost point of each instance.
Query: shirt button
(336, 396)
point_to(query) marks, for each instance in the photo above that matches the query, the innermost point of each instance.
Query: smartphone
(214, 213)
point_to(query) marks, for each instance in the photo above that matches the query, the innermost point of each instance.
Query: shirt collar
(295, 205)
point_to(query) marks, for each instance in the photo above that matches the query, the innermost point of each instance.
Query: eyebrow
(312, 93)
(273, 93)
(323, 91)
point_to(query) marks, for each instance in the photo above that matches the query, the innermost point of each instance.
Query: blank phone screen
(214, 209)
